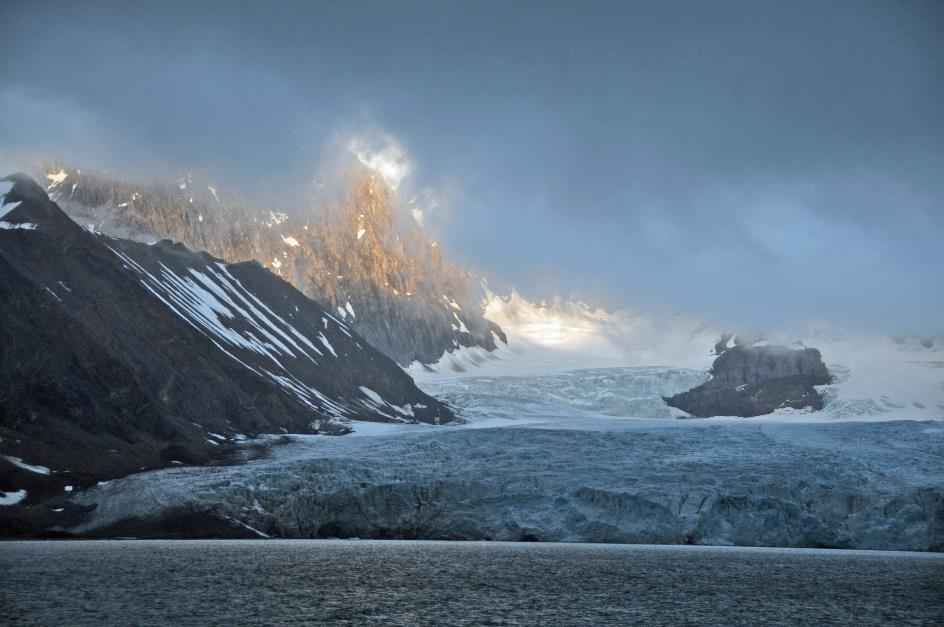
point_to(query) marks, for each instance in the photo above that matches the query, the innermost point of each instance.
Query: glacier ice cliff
(872, 485)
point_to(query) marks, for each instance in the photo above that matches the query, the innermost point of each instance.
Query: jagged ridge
(386, 280)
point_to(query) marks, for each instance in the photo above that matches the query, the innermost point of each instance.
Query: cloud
(426, 205)
(417, 214)
(752, 161)
(383, 154)
(35, 124)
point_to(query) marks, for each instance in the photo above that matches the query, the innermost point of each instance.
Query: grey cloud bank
(759, 163)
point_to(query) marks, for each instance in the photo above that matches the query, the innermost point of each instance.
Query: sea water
(245, 582)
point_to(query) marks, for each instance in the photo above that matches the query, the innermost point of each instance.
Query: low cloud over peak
(758, 163)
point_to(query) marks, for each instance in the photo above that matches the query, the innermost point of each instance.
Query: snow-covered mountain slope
(875, 376)
(872, 485)
(381, 275)
(118, 355)
(267, 327)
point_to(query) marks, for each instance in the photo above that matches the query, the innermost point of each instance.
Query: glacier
(527, 466)
(845, 485)
(565, 437)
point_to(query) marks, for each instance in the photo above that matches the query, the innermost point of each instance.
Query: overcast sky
(757, 162)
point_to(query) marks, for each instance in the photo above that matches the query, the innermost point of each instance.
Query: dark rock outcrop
(752, 381)
(117, 356)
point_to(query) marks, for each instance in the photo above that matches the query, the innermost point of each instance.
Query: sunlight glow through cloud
(385, 155)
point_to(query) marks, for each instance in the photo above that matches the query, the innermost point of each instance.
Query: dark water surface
(354, 582)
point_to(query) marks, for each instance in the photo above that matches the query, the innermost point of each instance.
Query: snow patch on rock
(12, 498)
(19, 463)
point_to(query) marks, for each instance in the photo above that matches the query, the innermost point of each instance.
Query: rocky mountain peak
(377, 271)
(24, 188)
(26, 206)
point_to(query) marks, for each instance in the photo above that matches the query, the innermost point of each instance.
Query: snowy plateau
(566, 438)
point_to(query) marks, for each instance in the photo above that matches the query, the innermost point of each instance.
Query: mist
(755, 163)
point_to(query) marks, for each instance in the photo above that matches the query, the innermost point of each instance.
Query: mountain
(385, 279)
(118, 355)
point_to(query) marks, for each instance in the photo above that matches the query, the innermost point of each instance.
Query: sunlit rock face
(378, 272)
(757, 380)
